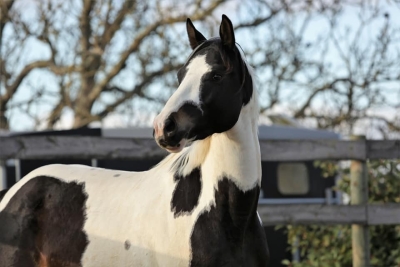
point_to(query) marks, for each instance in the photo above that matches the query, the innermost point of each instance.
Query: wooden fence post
(359, 196)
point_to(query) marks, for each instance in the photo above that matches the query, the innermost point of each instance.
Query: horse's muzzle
(167, 135)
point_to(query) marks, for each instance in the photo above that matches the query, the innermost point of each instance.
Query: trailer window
(293, 179)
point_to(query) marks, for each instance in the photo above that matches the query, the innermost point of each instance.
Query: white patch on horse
(259, 218)
(188, 90)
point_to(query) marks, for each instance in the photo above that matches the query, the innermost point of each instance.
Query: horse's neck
(230, 167)
(231, 171)
(235, 154)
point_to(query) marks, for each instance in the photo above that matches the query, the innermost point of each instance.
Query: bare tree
(4, 96)
(328, 68)
(98, 57)
(88, 46)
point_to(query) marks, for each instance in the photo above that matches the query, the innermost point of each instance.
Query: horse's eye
(216, 77)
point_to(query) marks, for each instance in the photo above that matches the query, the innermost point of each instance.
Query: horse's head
(214, 85)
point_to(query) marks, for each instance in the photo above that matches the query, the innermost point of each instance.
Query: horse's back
(97, 178)
(55, 171)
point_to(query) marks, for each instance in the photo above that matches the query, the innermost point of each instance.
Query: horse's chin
(173, 149)
(178, 148)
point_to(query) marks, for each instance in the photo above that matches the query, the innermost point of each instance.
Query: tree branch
(329, 86)
(11, 89)
(84, 24)
(111, 29)
(258, 21)
(99, 87)
(137, 90)
(5, 6)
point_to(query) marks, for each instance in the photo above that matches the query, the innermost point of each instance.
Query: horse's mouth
(173, 149)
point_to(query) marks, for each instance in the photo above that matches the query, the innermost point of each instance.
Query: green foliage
(330, 246)
(321, 246)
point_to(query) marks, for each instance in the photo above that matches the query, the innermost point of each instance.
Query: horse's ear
(195, 37)
(226, 33)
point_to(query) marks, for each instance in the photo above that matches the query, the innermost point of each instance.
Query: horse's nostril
(169, 127)
(162, 142)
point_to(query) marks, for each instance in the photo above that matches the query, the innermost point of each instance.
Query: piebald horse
(198, 207)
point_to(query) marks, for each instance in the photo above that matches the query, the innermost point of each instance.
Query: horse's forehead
(202, 61)
(198, 65)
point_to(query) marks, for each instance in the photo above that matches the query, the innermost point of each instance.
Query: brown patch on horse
(43, 261)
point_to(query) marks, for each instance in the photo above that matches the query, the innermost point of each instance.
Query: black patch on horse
(230, 234)
(42, 225)
(187, 192)
(3, 193)
(247, 84)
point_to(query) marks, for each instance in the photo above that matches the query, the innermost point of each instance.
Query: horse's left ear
(226, 33)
